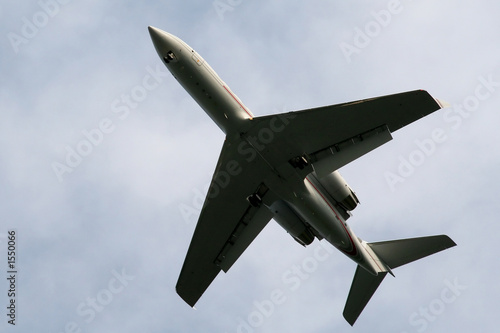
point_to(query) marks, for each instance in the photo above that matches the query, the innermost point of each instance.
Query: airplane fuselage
(301, 192)
(201, 82)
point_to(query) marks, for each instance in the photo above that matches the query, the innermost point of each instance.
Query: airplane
(285, 167)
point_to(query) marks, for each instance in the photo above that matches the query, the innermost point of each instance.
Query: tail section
(393, 254)
(363, 287)
(403, 251)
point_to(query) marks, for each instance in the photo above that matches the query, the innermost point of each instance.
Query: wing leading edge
(342, 130)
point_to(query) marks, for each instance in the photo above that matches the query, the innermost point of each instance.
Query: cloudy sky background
(117, 210)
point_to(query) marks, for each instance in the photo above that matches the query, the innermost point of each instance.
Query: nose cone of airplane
(163, 41)
(156, 34)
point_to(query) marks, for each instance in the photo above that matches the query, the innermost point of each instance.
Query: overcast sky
(101, 150)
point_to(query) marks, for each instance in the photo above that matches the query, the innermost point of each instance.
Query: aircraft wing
(227, 223)
(329, 137)
(332, 136)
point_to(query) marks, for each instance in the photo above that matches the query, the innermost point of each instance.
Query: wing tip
(351, 319)
(186, 297)
(442, 104)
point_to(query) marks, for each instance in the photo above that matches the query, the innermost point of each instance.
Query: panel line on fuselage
(239, 103)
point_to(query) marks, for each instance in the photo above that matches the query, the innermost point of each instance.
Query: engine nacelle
(338, 189)
(291, 222)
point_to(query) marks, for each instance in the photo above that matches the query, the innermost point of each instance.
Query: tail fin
(394, 254)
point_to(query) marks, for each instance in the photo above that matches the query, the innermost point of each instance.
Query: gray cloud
(119, 208)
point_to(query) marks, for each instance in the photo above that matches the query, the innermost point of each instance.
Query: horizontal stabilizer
(363, 287)
(399, 252)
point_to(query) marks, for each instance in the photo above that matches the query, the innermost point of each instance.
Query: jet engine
(338, 189)
(291, 222)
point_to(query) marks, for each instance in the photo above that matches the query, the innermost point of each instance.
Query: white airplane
(284, 167)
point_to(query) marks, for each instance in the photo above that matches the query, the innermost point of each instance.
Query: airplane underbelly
(211, 93)
(316, 210)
